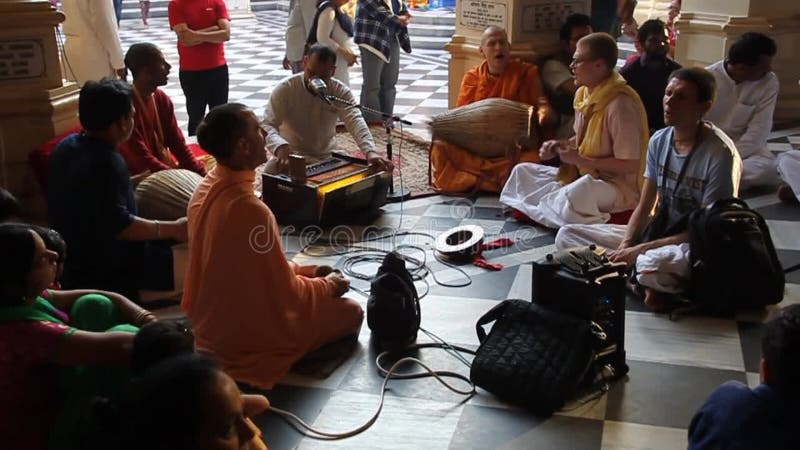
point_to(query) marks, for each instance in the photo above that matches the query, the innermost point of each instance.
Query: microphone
(319, 88)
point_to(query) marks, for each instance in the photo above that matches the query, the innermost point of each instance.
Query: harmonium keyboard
(330, 192)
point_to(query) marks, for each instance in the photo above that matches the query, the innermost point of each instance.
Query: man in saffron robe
(253, 311)
(157, 143)
(458, 170)
(602, 167)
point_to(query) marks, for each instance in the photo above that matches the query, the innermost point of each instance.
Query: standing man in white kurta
(92, 49)
(298, 122)
(747, 91)
(301, 16)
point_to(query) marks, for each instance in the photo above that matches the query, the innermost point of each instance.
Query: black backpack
(393, 312)
(733, 261)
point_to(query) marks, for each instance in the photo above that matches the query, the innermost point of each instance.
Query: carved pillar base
(35, 104)
(532, 27)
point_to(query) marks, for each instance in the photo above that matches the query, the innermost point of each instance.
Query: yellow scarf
(593, 106)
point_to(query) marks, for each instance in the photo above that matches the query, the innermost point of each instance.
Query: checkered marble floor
(255, 55)
(674, 365)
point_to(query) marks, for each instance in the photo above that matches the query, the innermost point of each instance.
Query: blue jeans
(118, 10)
(378, 89)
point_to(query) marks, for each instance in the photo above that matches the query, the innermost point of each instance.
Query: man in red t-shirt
(202, 27)
(156, 142)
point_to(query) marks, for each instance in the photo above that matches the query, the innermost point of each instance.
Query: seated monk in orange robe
(458, 170)
(253, 311)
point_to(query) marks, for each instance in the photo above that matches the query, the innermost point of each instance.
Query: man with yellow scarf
(601, 167)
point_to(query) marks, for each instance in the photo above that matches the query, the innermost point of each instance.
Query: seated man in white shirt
(298, 121)
(747, 91)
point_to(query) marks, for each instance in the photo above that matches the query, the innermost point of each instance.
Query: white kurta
(744, 112)
(330, 33)
(92, 48)
(301, 16)
(296, 117)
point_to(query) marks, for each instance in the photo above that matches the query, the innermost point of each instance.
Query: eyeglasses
(576, 61)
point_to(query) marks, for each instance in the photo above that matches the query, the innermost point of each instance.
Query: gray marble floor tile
(484, 428)
(488, 285)
(750, 335)
(633, 436)
(404, 423)
(664, 395)
(690, 341)
(785, 234)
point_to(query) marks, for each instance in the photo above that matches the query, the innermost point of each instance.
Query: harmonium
(333, 191)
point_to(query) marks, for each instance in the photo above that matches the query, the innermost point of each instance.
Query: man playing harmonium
(299, 122)
(253, 311)
(601, 167)
(458, 170)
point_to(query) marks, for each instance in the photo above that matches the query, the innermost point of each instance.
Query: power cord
(390, 374)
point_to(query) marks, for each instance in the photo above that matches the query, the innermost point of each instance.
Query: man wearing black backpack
(690, 164)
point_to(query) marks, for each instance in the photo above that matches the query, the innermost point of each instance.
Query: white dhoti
(664, 269)
(533, 190)
(789, 170)
(759, 170)
(86, 60)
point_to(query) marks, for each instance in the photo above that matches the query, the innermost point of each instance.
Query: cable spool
(460, 242)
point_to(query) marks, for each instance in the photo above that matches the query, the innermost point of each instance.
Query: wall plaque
(549, 15)
(21, 59)
(479, 15)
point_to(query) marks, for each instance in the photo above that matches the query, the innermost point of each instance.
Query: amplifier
(340, 189)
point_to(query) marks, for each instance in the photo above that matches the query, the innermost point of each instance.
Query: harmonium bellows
(329, 192)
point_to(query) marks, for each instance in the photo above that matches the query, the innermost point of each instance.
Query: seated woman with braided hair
(50, 342)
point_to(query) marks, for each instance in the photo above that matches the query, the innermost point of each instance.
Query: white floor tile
(689, 341)
(631, 436)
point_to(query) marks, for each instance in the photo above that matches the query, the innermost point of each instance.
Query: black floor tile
(781, 211)
(789, 258)
(483, 427)
(750, 334)
(303, 401)
(663, 394)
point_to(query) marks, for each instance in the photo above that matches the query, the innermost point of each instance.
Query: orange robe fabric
(458, 170)
(253, 310)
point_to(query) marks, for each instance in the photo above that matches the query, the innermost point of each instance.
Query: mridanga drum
(165, 195)
(488, 128)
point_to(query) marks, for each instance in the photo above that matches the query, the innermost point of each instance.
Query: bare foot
(655, 300)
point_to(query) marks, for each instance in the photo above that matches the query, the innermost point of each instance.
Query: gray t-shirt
(713, 172)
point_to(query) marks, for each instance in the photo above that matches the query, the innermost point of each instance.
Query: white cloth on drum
(533, 190)
(664, 269)
(789, 169)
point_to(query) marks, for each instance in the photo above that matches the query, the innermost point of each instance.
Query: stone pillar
(651, 9)
(708, 28)
(35, 102)
(239, 9)
(532, 27)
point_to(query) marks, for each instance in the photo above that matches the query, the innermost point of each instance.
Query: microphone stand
(394, 195)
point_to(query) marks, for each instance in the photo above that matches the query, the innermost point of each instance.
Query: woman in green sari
(57, 348)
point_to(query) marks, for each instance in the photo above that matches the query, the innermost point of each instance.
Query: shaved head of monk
(496, 49)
